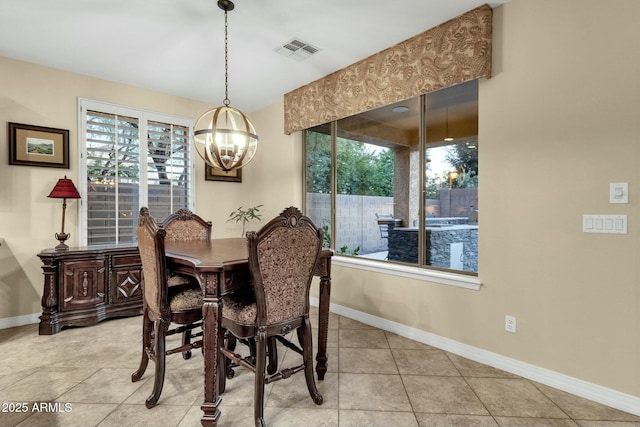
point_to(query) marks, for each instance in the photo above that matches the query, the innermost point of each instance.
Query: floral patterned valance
(454, 52)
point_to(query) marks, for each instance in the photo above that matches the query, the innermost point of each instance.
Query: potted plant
(245, 216)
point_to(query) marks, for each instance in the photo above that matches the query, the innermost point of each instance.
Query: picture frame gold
(212, 174)
(31, 145)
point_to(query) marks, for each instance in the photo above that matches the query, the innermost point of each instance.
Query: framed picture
(38, 146)
(212, 174)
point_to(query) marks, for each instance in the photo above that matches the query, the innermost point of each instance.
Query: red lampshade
(64, 189)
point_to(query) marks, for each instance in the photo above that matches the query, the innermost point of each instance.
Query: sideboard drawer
(126, 260)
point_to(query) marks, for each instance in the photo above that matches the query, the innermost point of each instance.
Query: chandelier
(223, 136)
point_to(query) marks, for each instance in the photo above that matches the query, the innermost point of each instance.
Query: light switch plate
(619, 192)
(605, 224)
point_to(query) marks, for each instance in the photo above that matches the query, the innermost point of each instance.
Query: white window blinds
(167, 168)
(130, 158)
(113, 177)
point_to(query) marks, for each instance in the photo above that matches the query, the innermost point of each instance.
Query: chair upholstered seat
(188, 299)
(239, 312)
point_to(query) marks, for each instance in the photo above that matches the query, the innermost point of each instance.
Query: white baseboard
(606, 396)
(26, 319)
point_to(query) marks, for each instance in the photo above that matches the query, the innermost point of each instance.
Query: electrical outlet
(510, 324)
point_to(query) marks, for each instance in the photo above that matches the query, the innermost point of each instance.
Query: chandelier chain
(226, 101)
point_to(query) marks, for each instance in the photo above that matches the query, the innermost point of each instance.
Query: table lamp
(64, 189)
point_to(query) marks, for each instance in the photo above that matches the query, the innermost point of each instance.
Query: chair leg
(160, 358)
(231, 341)
(261, 361)
(304, 336)
(223, 363)
(251, 343)
(147, 326)
(272, 367)
(186, 339)
(230, 344)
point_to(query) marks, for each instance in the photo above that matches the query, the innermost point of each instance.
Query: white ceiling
(176, 46)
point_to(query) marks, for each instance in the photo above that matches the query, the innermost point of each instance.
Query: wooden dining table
(221, 266)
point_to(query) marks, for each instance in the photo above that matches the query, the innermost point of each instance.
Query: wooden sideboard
(83, 286)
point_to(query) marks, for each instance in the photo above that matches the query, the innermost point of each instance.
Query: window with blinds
(131, 158)
(167, 168)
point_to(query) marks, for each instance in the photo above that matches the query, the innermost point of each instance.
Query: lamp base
(62, 237)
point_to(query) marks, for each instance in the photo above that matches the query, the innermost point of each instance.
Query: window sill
(411, 272)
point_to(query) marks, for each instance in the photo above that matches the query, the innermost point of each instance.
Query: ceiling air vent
(297, 49)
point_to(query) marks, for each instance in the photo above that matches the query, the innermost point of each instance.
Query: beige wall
(43, 96)
(559, 121)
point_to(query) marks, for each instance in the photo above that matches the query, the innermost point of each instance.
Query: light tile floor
(375, 378)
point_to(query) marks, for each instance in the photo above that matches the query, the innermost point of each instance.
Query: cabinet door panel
(83, 283)
(126, 285)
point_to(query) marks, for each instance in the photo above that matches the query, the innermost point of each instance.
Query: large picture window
(400, 183)
(130, 158)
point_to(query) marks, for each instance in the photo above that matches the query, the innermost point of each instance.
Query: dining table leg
(211, 317)
(323, 320)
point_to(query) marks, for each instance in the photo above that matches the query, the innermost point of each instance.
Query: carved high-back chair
(181, 226)
(163, 305)
(282, 257)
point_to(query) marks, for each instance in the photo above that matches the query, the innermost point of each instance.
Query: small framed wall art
(38, 146)
(213, 174)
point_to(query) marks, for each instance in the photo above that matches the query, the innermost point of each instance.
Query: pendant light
(224, 137)
(447, 136)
